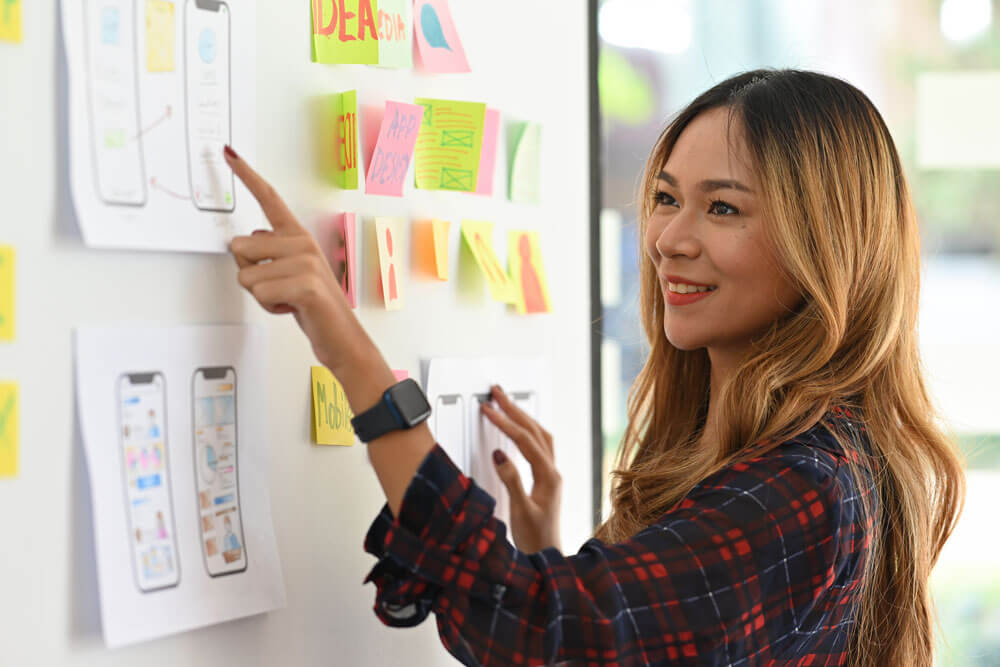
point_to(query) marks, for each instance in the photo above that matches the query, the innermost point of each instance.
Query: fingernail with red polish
(231, 153)
(499, 457)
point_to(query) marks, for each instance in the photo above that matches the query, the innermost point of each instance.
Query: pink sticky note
(401, 375)
(351, 274)
(488, 155)
(438, 45)
(394, 149)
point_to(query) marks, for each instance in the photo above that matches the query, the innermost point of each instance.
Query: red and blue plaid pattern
(760, 563)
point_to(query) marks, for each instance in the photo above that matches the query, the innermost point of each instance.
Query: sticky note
(342, 257)
(159, 36)
(344, 31)
(488, 155)
(8, 312)
(395, 33)
(401, 375)
(10, 21)
(389, 235)
(438, 45)
(525, 164)
(479, 238)
(441, 231)
(394, 149)
(345, 110)
(9, 436)
(531, 291)
(449, 145)
(331, 412)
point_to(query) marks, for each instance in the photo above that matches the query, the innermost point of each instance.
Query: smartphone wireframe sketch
(146, 474)
(449, 428)
(216, 463)
(208, 95)
(113, 101)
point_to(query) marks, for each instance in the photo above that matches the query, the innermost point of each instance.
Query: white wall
(529, 60)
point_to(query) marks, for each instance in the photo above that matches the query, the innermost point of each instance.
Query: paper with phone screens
(10, 442)
(155, 90)
(8, 305)
(10, 21)
(449, 145)
(438, 44)
(345, 31)
(173, 423)
(455, 387)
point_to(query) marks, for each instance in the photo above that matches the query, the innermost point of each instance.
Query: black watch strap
(377, 420)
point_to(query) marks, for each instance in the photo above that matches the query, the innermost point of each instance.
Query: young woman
(784, 488)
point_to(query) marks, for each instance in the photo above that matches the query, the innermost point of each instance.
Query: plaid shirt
(759, 563)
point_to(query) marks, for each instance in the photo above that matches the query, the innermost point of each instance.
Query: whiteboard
(529, 60)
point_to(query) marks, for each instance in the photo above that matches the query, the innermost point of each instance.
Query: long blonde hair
(840, 217)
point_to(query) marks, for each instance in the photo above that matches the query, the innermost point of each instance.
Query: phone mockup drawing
(113, 101)
(449, 428)
(216, 471)
(208, 94)
(146, 473)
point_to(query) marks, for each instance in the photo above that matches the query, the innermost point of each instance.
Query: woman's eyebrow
(710, 185)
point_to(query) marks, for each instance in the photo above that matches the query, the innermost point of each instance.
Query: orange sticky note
(9, 437)
(479, 237)
(531, 292)
(389, 235)
(441, 230)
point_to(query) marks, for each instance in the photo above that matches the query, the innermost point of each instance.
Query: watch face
(411, 402)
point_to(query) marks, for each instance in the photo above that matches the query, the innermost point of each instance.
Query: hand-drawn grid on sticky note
(449, 145)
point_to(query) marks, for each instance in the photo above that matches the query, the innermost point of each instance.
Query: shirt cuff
(445, 526)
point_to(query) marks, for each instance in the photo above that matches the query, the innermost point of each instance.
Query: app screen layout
(207, 88)
(144, 456)
(112, 87)
(215, 453)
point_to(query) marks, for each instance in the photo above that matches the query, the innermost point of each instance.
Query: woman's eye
(664, 198)
(720, 207)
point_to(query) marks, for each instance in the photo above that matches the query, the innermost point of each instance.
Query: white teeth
(681, 288)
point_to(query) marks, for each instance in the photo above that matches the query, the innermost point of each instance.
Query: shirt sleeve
(743, 556)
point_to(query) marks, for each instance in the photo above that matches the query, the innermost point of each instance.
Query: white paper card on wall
(173, 423)
(957, 126)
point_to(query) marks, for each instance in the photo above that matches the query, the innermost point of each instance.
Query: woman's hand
(286, 272)
(534, 517)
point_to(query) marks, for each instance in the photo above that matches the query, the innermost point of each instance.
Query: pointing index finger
(274, 207)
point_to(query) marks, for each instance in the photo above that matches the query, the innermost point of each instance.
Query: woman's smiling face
(707, 229)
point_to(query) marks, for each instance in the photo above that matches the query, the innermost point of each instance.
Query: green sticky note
(395, 33)
(345, 148)
(9, 437)
(525, 164)
(449, 144)
(345, 31)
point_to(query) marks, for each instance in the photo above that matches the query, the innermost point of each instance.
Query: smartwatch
(403, 406)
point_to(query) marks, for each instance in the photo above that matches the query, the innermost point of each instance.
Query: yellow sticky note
(531, 291)
(10, 20)
(479, 237)
(8, 314)
(331, 412)
(159, 35)
(389, 232)
(441, 229)
(9, 438)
